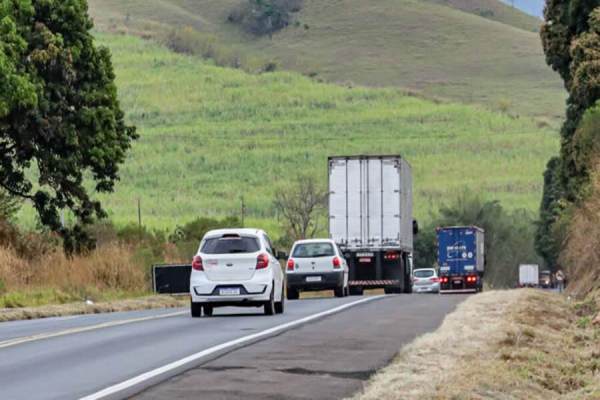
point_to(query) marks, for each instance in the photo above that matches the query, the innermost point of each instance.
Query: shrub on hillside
(264, 17)
(189, 41)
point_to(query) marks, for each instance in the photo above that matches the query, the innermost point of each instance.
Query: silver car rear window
(311, 250)
(423, 274)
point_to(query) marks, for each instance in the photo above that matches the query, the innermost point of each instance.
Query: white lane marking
(21, 340)
(161, 370)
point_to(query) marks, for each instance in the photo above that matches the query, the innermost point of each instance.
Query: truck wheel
(292, 294)
(356, 291)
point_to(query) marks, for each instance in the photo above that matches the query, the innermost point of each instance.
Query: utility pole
(139, 216)
(243, 210)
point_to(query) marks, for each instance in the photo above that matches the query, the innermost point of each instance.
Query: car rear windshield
(228, 245)
(423, 274)
(309, 250)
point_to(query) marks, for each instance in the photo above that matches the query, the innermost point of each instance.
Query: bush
(264, 17)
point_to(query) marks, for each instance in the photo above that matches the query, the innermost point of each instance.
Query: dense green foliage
(59, 112)
(264, 17)
(210, 135)
(508, 236)
(571, 41)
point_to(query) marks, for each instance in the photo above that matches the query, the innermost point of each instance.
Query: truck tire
(356, 291)
(292, 294)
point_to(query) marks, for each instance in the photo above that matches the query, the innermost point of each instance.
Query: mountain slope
(434, 48)
(210, 135)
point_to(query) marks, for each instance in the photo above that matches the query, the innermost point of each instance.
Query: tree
(59, 113)
(300, 206)
(570, 38)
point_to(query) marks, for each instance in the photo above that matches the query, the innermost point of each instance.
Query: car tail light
(522, 285)
(197, 263)
(290, 264)
(336, 262)
(415, 280)
(434, 279)
(262, 261)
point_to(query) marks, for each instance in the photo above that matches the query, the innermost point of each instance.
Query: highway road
(238, 353)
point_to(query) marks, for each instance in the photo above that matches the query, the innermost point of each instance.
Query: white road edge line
(161, 370)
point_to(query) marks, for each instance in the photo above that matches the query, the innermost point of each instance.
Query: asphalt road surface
(320, 348)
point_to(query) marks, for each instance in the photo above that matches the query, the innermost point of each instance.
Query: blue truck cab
(461, 259)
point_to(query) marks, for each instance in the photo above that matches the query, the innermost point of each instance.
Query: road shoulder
(517, 344)
(327, 359)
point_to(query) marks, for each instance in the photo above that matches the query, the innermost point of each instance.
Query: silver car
(426, 280)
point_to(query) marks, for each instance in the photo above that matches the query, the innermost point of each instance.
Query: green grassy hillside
(211, 134)
(438, 49)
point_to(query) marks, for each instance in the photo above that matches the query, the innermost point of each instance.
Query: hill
(211, 134)
(532, 7)
(455, 50)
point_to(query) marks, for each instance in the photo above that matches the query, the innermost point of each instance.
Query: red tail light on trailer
(262, 261)
(197, 264)
(290, 264)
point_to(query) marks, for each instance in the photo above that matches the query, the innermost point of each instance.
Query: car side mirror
(282, 255)
(415, 227)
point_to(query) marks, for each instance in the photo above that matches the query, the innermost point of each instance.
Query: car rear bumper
(328, 280)
(434, 288)
(254, 291)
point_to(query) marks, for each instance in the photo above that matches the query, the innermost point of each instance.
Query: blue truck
(461, 259)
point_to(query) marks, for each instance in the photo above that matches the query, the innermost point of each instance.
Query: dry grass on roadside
(514, 344)
(145, 303)
(54, 285)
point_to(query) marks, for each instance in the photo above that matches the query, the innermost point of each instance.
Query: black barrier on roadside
(171, 278)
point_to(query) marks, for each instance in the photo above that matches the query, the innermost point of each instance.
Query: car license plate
(313, 279)
(229, 291)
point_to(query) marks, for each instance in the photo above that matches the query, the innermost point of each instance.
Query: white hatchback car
(236, 267)
(316, 264)
(426, 280)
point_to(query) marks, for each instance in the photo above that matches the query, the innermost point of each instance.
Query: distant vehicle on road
(426, 280)
(371, 219)
(316, 264)
(236, 267)
(546, 279)
(461, 259)
(529, 275)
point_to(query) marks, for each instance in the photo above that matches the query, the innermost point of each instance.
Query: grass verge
(63, 310)
(515, 344)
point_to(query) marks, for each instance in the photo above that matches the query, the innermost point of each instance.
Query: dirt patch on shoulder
(519, 344)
